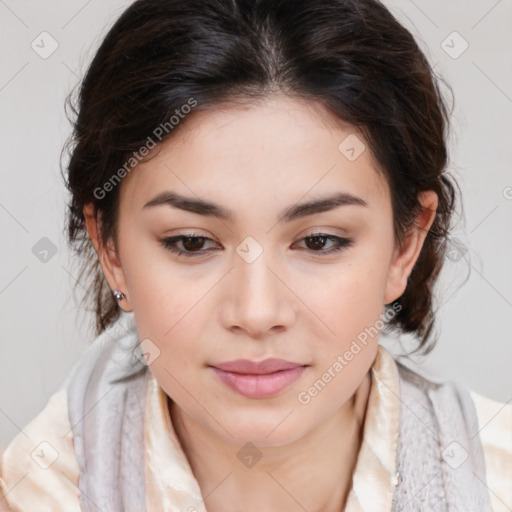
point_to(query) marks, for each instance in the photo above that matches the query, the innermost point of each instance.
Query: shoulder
(39, 465)
(484, 422)
(445, 397)
(495, 431)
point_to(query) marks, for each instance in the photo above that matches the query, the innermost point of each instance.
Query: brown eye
(316, 242)
(191, 245)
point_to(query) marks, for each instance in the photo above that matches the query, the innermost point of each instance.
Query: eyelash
(170, 244)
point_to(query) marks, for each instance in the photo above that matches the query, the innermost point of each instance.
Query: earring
(118, 295)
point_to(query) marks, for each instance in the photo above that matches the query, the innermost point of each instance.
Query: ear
(109, 259)
(405, 256)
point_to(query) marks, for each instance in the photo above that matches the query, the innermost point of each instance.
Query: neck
(313, 473)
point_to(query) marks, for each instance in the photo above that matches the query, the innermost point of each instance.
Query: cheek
(349, 300)
(164, 298)
(165, 315)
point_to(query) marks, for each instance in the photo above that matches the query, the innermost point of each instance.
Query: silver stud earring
(118, 295)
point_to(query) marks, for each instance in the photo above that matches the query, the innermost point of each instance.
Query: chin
(263, 432)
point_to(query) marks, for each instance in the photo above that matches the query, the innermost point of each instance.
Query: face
(255, 274)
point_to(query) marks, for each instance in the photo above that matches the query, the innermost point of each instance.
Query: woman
(263, 185)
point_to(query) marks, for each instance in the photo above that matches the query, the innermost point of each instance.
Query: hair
(350, 56)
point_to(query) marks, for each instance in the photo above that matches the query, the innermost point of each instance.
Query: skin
(291, 302)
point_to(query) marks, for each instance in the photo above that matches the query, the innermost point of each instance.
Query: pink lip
(258, 380)
(270, 365)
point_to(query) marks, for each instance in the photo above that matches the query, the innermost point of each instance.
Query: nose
(258, 301)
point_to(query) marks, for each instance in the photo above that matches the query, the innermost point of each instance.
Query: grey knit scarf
(440, 459)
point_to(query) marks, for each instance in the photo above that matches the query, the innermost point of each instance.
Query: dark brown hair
(350, 56)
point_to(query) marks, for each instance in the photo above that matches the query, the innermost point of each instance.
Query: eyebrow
(296, 211)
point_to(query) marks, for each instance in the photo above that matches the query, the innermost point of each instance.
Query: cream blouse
(39, 472)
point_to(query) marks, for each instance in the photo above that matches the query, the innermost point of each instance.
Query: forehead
(277, 147)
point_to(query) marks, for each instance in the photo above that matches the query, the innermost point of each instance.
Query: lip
(266, 366)
(258, 379)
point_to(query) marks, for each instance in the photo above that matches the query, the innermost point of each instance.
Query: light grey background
(43, 332)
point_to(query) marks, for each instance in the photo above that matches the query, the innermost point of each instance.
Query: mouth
(258, 379)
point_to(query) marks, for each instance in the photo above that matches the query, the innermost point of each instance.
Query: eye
(193, 245)
(316, 241)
